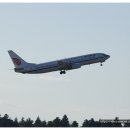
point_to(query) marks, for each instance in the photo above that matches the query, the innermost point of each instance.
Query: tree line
(6, 121)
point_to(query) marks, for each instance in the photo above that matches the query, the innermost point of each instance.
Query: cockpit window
(101, 55)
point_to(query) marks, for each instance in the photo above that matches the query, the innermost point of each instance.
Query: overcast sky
(45, 32)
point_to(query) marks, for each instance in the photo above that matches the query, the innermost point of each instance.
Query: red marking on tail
(16, 61)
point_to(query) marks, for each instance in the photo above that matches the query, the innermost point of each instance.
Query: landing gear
(62, 72)
(101, 64)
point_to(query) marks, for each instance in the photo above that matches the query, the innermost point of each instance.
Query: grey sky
(45, 32)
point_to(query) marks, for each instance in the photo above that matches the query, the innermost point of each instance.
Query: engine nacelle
(76, 66)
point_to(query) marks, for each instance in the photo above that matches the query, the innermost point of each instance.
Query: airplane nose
(108, 56)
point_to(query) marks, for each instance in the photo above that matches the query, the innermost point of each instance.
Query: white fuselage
(66, 64)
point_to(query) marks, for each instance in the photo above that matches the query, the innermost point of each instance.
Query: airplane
(21, 66)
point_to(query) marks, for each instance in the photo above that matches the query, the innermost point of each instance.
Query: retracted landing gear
(62, 72)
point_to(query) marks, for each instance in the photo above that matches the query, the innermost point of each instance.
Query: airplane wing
(64, 65)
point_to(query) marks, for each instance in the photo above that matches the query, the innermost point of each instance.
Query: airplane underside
(85, 63)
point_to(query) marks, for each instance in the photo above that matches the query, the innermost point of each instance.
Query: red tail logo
(16, 61)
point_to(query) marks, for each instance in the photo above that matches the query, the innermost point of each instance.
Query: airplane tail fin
(17, 60)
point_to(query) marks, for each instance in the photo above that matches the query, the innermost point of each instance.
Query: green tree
(38, 122)
(16, 124)
(117, 124)
(57, 122)
(74, 124)
(85, 123)
(6, 116)
(29, 123)
(65, 121)
(0, 121)
(6, 122)
(50, 124)
(44, 124)
(92, 123)
(22, 122)
(127, 125)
